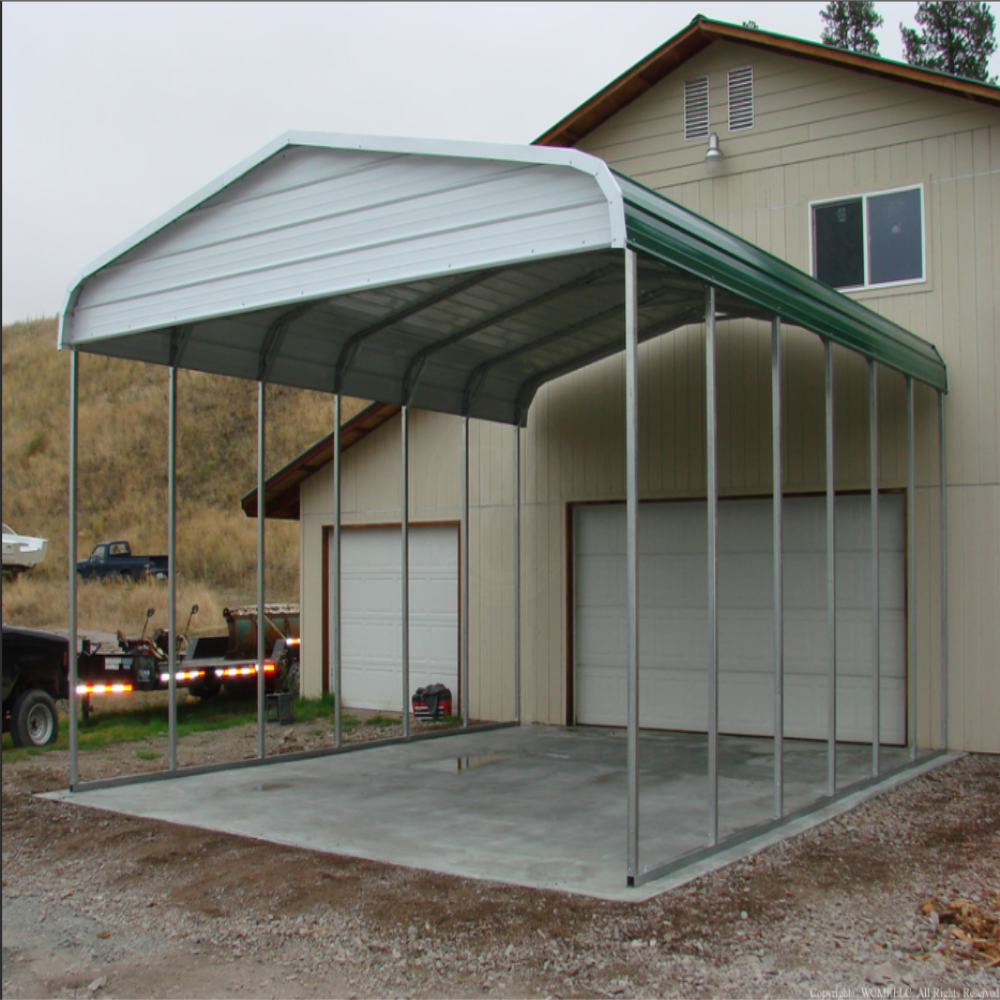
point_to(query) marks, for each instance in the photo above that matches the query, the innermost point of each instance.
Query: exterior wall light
(713, 155)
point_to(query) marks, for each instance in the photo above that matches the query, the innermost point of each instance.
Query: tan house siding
(820, 132)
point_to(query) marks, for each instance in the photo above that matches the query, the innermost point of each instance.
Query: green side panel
(664, 230)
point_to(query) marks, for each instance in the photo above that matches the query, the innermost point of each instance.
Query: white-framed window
(741, 99)
(696, 108)
(866, 240)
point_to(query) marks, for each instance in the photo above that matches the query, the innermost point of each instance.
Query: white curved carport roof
(456, 277)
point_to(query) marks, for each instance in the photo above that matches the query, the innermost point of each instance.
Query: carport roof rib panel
(328, 238)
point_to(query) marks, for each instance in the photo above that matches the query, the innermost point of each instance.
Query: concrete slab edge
(785, 831)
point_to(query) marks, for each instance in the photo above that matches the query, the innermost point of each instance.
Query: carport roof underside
(453, 277)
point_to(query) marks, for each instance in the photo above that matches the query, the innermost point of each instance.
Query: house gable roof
(701, 33)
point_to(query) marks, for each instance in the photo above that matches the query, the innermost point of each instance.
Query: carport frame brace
(691, 246)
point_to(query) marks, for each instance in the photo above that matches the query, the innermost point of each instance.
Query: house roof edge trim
(701, 33)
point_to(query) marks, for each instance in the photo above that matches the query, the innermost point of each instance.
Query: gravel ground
(900, 897)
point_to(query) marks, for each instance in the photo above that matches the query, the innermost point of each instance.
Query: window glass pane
(839, 244)
(894, 235)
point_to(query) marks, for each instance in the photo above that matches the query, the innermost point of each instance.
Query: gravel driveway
(899, 898)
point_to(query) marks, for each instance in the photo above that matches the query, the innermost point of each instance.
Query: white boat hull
(22, 551)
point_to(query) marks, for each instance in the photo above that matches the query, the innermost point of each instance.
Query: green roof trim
(664, 230)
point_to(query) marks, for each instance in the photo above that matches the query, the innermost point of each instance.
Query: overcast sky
(113, 113)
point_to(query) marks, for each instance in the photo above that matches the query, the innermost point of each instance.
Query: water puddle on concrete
(469, 762)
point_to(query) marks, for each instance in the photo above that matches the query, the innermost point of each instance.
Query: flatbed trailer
(36, 674)
(207, 664)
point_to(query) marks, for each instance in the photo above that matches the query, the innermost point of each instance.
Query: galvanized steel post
(712, 510)
(335, 624)
(777, 535)
(465, 572)
(911, 571)
(74, 426)
(517, 573)
(876, 611)
(172, 568)
(944, 576)
(405, 566)
(831, 579)
(632, 548)
(261, 617)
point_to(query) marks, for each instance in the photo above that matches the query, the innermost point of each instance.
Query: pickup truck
(114, 560)
(35, 675)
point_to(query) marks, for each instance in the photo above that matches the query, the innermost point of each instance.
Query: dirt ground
(900, 896)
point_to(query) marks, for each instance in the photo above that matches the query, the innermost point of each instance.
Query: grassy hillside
(122, 479)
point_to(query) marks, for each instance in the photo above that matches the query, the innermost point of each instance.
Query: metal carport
(460, 278)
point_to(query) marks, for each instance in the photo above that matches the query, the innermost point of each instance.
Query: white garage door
(673, 643)
(372, 617)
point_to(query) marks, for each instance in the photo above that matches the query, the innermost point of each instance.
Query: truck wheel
(35, 721)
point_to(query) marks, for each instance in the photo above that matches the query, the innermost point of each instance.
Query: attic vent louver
(696, 108)
(740, 98)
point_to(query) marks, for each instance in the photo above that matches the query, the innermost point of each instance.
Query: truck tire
(35, 720)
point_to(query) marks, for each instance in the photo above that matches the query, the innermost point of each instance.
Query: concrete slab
(535, 806)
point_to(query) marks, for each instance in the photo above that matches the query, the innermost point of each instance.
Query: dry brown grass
(108, 607)
(122, 479)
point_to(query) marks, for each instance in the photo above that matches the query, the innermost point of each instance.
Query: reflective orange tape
(103, 688)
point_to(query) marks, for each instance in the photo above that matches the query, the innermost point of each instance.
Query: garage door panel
(371, 613)
(601, 533)
(601, 638)
(804, 579)
(802, 529)
(744, 526)
(679, 579)
(377, 677)
(682, 536)
(745, 580)
(673, 617)
(606, 584)
(854, 522)
(600, 688)
(675, 700)
(746, 704)
(430, 595)
(854, 709)
(746, 641)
